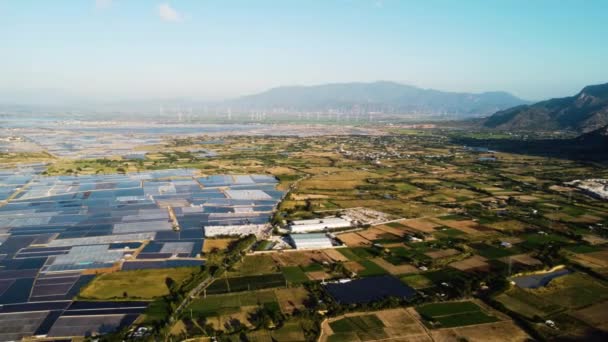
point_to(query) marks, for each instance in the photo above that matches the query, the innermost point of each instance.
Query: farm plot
(254, 265)
(595, 315)
(454, 314)
(522, 259)
(395, 269)
(140, 284)
(216, 244)
(353, 239)
(379, 235)
(304, 258)
(597, 261)
(496, 331)
(397, 324)
(421, 224)
(573, 291)
(294, 274)
(474, 263)
(417, 281)
(237, 284)
(291, 299)
(494, 252)
(291, 331)
(223, 311)
(526, 303)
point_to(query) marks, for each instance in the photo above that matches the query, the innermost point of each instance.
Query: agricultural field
(140, 284)
(574, 301)
(406, 325)
(454, 314)
(452, 227)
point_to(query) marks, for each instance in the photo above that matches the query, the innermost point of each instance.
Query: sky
(214, 49)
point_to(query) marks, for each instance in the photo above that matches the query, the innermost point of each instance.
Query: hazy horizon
(112, 50)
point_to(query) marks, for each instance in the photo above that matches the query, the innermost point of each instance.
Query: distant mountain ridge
(585, 112)
(381, 96)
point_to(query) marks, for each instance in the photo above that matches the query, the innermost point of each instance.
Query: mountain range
(382, 96)
(584, 112)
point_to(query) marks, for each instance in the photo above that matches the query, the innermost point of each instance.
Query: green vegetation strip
(455, 314)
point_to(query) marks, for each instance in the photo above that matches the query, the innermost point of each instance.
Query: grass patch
(582, 249)
(454, 314)
(493, 252)
(371, 269)
(294, 275)
(237, 284)
(230, 303)
(417, 281)
(139, 284)
(254, 265)
(365, 327)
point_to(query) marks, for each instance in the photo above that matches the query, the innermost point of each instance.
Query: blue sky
(214, 49)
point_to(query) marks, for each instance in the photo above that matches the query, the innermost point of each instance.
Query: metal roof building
(311, 241)
(317, 225)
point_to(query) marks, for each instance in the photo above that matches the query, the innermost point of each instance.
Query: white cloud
(101, 4)
(168, 13)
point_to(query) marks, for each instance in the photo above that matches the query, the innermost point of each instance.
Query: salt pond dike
(383, 96)
(585, 112)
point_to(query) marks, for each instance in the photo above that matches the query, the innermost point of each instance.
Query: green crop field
(455, 314)
(417, 281)
(139, 284)
(236, 284)
(294, 274)
(493, 252)
(365, 327)
(371, 269)
(254, 265)
(229, 303)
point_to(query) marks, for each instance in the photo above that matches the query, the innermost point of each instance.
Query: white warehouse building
(318, 225)
(311, 241)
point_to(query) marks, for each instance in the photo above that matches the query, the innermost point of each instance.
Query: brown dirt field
(527, 198)
(475, 262)
(396, 244)
(373, 233)
(219, 322)
(498, 331)
(335, 255)
(353, 239)
(467, 226)
(594, 239)
(508, 225)
(210, 244)
(422, 225)
(597, 259)
(299, 258)
(399, 323)
(281, 170)
(318, 275)
(395, 269)
(524, 259)
(353, 266)
(596, 315)
(291, 299)
(442, 253)
(391, 230)
(302, 197)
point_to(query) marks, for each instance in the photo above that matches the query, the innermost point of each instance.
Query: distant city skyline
(210, 50)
